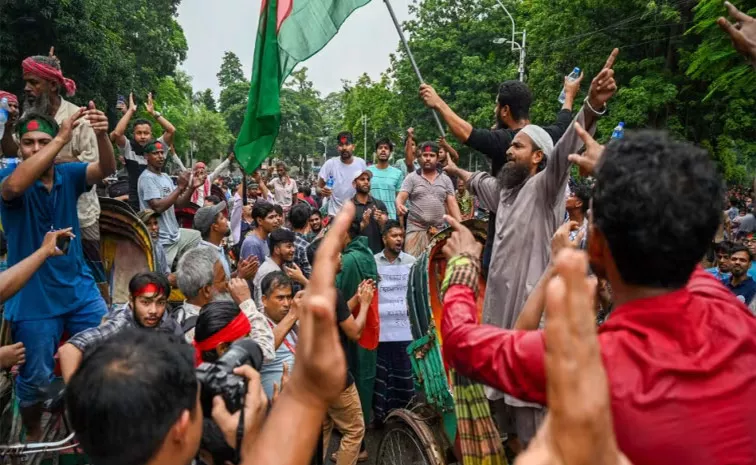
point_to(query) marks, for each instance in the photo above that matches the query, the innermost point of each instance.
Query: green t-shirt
(385, 186)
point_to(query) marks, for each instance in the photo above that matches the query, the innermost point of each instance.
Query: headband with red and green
(38, 125)
(154, 146)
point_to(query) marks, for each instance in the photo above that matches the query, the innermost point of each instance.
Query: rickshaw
(427, 431)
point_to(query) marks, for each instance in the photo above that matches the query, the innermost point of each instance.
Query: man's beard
(512, 174)
(345, 155)
(40, 104)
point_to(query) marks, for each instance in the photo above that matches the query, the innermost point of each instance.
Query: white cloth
(343, 175)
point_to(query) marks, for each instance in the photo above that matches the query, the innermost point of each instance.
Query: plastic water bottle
(4, 110)
(574, 75)
(619, 131)
(330, 182)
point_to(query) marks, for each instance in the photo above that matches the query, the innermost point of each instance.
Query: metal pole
(522, 58)
(364, 130)
(244, 186)
(511, 19)
(412, 59)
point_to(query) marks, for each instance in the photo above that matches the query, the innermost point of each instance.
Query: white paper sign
(392, 303)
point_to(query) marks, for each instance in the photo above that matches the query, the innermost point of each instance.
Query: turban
(9, 96)
(541, 139)
(48, 73)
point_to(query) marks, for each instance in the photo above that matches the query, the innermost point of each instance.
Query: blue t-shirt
(385, 186)
(253, 245)
(62, 284)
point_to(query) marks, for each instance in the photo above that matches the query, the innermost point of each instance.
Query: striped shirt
(427, 202)
(385, 186)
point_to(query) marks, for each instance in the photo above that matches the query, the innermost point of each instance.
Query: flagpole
(412, 59)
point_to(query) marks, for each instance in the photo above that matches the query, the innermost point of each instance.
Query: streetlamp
(515, 45)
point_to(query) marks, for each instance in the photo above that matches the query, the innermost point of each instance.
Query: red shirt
(681, 369)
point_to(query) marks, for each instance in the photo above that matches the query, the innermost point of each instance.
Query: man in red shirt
(679, 349)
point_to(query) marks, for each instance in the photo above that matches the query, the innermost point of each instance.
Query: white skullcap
(541, 139)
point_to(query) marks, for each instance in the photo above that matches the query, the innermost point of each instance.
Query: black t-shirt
(495, 143)
(342, 314)
(373, 230)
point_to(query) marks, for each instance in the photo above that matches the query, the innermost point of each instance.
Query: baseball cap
(145, 215)
(205, 216)
(368, 172)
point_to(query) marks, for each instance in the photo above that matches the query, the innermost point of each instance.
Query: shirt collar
(383, 257)
(370, 200)
(210, 244)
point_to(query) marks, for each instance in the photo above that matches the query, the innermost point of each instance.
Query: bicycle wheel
(400, 446)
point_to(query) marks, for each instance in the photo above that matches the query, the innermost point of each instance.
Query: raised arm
(105, 165)
(409, 150)
(220, 168)
(118, 136)
(459, 127)
(452, 207)
(16, 277)
(168, 129)
(353, 326)
(31, 169)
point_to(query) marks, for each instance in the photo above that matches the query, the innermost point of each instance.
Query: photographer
(141, 369)
(148, 298)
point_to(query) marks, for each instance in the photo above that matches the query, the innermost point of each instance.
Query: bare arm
(161, 205)
(353, 327)
(118, 136)
(409, 151)
(282, 329)
(15, 277)
(452, 208)
(30, 170)
(70, 359)
(459, 127)
(219, 169)
(169, 131)
(106, 166)
(530, 317)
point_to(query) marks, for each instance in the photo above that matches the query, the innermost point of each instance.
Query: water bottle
(3, 115)
(572, 77)
(619, 131)
(330, 182)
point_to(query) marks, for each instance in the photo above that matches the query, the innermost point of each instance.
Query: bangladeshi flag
(289, 32)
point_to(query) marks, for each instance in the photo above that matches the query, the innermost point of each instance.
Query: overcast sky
(362, 45)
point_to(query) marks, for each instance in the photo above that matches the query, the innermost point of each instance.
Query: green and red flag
(289, 32)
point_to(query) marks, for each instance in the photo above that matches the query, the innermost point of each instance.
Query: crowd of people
(622, 299)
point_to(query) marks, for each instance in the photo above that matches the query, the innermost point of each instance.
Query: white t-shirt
(343, 175)
(284, 193)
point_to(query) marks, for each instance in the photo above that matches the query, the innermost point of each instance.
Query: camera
(219, 379)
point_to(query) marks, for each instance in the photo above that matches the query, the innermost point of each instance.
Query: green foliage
(676, 70)
(234, 92)
(107, 46)
(206, 98)
(301, 121)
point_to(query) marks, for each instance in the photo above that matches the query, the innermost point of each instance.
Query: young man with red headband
(341, 171)
(37, 197)
(8, 146)
(431, 196)
(132, 149)
(157, 192)
(42, 94)
(148, 298)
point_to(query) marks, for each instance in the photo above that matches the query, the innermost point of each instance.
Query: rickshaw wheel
(408, 440)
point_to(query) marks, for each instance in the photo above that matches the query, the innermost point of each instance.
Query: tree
(108, 47)
(301, 120)
(209, 132)
(206, 98)
(230, 70)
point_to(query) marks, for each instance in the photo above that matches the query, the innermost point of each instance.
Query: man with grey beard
(202, 279)
(528, 198)
(42, 94)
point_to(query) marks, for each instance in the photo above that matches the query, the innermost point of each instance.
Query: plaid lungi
(394, 384)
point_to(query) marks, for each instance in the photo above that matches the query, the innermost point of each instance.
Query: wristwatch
(157, 114)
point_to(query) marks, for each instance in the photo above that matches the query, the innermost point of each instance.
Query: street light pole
(364, 130)
(515, 46)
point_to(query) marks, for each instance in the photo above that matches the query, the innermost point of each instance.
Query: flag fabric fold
(289, 32)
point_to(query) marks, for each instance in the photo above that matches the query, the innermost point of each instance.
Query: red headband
(428, 149)
(11, 98)
(150, 288)
(236, 329)
(48, 73)
(200, 165)
(343, 139)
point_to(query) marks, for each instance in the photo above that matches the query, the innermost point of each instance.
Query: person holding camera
(38, 197)
(140, 368)
(148, 298)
